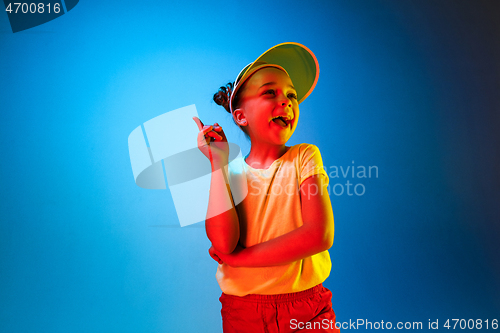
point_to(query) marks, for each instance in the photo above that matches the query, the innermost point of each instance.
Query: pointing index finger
(198, 122)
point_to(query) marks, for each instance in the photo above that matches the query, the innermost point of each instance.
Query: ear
(239, 117)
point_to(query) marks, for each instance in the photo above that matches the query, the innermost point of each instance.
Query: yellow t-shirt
(272, 208)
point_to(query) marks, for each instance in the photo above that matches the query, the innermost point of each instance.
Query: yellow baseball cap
(295, 59)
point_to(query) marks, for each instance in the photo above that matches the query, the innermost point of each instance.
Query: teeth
(286, 119)
(280, 121)
(283, 121)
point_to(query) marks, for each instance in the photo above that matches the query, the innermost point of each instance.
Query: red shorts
(306, 311)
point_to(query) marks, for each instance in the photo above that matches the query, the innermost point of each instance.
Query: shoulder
(304, 151)
(303, 148)
(305, 156)
(305, 159)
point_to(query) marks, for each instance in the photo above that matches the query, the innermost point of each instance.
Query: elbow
(321, 239)
(225, 248)
(327, 238)
(224, 240)
(327, 242)
(224, 245)
(324, 244)
(324, 241)
(225, 252)
(330, 232)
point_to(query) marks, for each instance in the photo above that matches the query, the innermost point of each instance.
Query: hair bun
(223, 96)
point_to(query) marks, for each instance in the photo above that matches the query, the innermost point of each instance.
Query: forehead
(268, 75)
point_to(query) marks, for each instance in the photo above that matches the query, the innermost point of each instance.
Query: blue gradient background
(409, 86)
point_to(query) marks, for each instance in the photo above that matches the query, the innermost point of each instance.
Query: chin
(282, 140)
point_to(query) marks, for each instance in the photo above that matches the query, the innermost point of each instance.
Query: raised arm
(221, 224)
(314, 236)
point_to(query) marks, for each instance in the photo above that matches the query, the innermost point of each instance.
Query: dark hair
(223, 96)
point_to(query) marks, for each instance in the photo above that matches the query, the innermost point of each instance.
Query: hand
(212, 142)
(214, 256)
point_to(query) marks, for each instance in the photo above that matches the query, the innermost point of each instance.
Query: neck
(262, 156)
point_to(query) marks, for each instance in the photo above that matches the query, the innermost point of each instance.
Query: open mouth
(281, 121)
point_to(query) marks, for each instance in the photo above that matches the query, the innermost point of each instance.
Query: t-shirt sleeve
(311, 163)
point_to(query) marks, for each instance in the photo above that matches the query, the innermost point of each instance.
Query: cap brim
(298, 61)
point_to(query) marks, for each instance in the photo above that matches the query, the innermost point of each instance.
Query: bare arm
(314, 236)
(223, 229)
(221, 224)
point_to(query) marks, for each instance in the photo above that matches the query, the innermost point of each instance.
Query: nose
(286, 106)
(285, 101)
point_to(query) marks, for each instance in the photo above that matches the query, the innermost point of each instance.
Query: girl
(272, 248)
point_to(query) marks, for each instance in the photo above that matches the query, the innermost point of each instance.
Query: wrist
(235, 258)
(239, 256)
(219, 163)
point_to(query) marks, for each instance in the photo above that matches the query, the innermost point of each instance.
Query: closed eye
(270, 91)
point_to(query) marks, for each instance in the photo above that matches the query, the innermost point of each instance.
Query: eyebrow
(269, 83)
